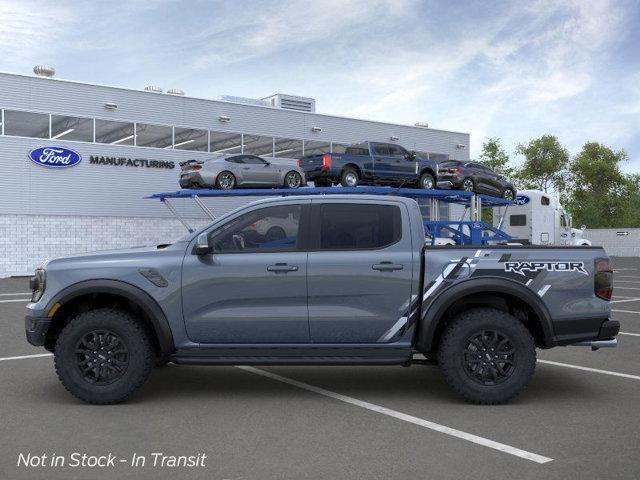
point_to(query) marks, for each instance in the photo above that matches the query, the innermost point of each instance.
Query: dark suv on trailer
(474, 177)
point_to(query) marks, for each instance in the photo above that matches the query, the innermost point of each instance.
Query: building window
(258, 145)
(224, 142)
(338, 147)
(157, 136)
(425, 209)
(26, 124)
(316, 148)
(114, 133)
(71, 128)
(190, 139)
(287, 148)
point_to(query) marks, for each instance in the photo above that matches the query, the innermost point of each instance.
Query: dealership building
(129, 144)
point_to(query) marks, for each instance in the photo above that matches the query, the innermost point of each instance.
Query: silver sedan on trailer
(240, 170)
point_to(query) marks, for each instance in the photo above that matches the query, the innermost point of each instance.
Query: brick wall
(27, 240)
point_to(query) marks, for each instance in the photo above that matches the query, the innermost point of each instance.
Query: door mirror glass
(202, 245)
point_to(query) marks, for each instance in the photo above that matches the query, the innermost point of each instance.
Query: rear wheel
(487, 356)
(225, 181)
(427, 181)
(468, 185)
(292, 179)
(349, 178)
(103, 356)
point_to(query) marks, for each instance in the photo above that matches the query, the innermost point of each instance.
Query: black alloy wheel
(489, 357)
(102, 357)
(467, 185)
(508, 194)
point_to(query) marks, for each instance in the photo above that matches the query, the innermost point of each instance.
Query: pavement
(578, 419)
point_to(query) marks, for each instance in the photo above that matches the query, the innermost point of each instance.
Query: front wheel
(487, 356)
(427, 181)
(104, 355)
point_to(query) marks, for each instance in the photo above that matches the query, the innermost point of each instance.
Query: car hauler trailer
(471, 231)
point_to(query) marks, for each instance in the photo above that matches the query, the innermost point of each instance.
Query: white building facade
(130, 143)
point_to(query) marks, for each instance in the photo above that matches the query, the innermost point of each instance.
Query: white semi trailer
(537, 218)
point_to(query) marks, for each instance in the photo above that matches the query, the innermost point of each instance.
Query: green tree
(545, 164)
(631, 201)
(599, 191)
(495, 157)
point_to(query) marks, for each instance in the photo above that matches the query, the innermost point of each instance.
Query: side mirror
(583, 227)
(202, 245)
(267, 163)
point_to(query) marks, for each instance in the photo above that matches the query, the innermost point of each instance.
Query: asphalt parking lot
(579, 418)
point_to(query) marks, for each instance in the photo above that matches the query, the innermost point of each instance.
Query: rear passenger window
(359, 227)
(517, 220)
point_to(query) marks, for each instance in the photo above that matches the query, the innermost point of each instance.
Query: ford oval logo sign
(56, 157)
(521, 200)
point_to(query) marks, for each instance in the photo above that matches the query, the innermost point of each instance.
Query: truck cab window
(381, 150)
(358, 226)
(544, 200)
(265, 230)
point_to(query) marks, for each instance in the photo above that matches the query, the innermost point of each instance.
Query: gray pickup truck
(347, 281)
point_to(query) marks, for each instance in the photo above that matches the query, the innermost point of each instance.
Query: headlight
(38, 284)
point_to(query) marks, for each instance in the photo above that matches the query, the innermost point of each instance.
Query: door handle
(387, 266)
(282, 268)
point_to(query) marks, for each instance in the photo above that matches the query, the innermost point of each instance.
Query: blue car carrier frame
(473, 231)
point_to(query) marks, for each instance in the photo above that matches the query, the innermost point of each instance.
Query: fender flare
(135, 294)
(445, 299)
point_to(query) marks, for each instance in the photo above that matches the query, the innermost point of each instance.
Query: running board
(286, 360)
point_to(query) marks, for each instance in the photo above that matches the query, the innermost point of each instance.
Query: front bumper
(36, 328)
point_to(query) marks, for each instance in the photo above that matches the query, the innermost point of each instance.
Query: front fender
(434, 312)
(135, 294)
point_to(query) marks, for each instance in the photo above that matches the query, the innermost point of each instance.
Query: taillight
(299, 162)
(326, 161)
(603, 279)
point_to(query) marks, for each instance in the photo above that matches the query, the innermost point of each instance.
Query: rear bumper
(36, 328)
(192, 180)
(594, 334)
(449, 183)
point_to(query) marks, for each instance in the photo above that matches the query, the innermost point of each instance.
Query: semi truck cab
(538, 218)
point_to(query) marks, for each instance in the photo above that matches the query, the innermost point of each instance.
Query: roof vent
(422, 124)
(153, 88)
(175, 91)
(292, 102)
(44, 71)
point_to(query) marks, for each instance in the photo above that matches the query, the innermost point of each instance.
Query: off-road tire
(140, 355)
(344, 177)
(453, 344)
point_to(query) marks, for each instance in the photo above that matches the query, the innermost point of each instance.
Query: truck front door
(359, 271)
(252, 288)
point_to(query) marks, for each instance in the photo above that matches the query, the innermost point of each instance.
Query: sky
(513, 70)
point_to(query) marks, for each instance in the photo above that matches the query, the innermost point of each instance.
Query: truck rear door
(359, 270)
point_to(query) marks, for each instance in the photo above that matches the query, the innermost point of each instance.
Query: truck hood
(124, 254)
